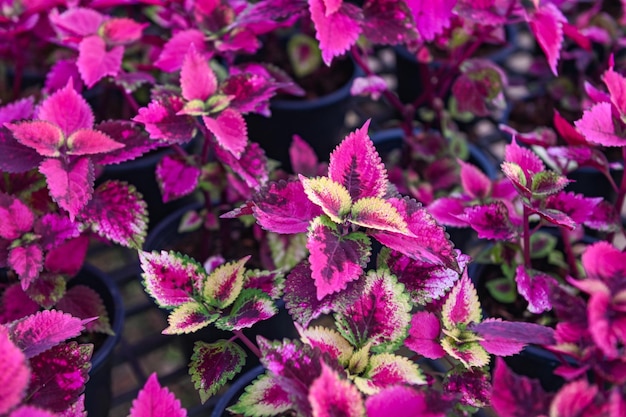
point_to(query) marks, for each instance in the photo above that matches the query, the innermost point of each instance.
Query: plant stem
(246, 341)
(569, 253)
(526, 237)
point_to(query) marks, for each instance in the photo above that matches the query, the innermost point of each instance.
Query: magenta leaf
(70, 183)
(388, 22)
(79, 21)
(251, 307)
(121, 30)
(27, 262)
(380, 316)
(197, 79)
(330, 395)
(17, 157)
(270, 282)
(47, 289)
(15, 374)
(616, 84)
(572, 136)
(230, 130)
(16, 218)
(68, 257)
(117, 212)
(303, 158)
(173, 54)
(44, 137)
(335, 259)
(30, 411)
(604, 262)
(448, 211)
(263, 397)
(156, 401)
(67, 109)
(576, 206)
(547, 26)
(89, 142)
(598, 126)
(402, 401)
(170, 278)
(61, 72)
(431, 17)
(504, 338)
(577, 398)
(534, 286)
(525, 158)
(252, 166)
(472, 386)
(475, 183)
(177, 177)
(84, 303)
(59, 375)
(356, 165)
(135, 140)
(55, 229)
(18, 110)
(372, 85)
(214, 364)
(491, 221)
(39, 332)
(95, 62)
(337, 31)
(424, 335)
(16, 304)
(162, 121)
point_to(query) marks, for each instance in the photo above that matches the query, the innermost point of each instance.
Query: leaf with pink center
(44, 137)
(336, 32)
(604, 218)
(535, 286)
(252, 166)
(616, 84)
(330, 395)
(16, 304)
(15, 374)
(356, 165)
(173, 53)
(471, 386)
(177, 177)
(27, 262)
(156, 401)
(59, 375)
(327, 340)
(462, 306)
(263, 397)
(96, 62)
(491, 221)
(188, 318)
(555, 217)
(17, 110)
(43, 330)
(605, 325)
(117, 212)
(47, 289)
(70, 183)
(121, 31)
(547, 26)
(230, 130)
(380, 316)
(171, 278)
(17, 158)
(270, 282)
(54, 229)
(448, 211)
(424, 335)
(214, 364)
(162, 121)
(222, 287)
(250, 87)
(250, 307)
(89, 142)
(385, 370)
(598, 126)
(331, 196)
(517, 396)
(376, 213)
(85, 303)
(197, 79)
(135, 140)
(388, 22)
(431, 17)
(469, 352)
(428, 241)
(16, 218)
(474, 182)
(303, 158)
(503, 338)
(68, 257)
(403, 401)
(336, 259)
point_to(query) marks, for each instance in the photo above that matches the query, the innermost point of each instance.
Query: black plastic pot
(235, 390)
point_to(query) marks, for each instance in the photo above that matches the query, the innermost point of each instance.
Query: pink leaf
(43, 330)
(61, 72)
(517, 396)
(252, 166)
(135, 140)
(15, 374)
(89, 142)
(66, 109)
(424, 335)
(70, 183)
(576, 206)
(95, 62)
(213, 364)
(547, 26)
(604, 261)
(431, 17)
(401, 401)
(448, 211)
(303, 158)
(197, 79)
(577, 398)
(18, 110)
(524, 157)
(68, 257)
(55, 229)
(598, 126)
(372, 85)
(337, 31)
(174, 51)
(572, 136)
(389, 22)
(616, 84)
(155, 401)
(604, 325)
(85, 303)
(78, 21)
(16, 304)
(491, 221)
(30, 411)
(535, 287)
(331, 395)
(16, 217)
(27, 262)
(357, 166)
(230, 131)
(504, 338)
(177, 177)
(475, 183)
(162, 121)
(121, 30)
(44, 137)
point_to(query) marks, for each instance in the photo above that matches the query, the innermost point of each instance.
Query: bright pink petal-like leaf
(462, 306)
(547, 26)
(68, 257)
(162, 121)
(78, 21)
(197, 79)
(336, 32)
(85, 303)
(230, 130)
(156, 401)
(96, 62)
(55, 229)
(59, 375)
(15, 374)
(43, 330)
(31, 411)
(89, 142)
(616, 84)
(475, 183)
(605, 262)
(44, 137)
(504, 338)
(27, 262)
(15, 304)
(424, 335)
(303, 158)
(170, 277)
(173, 54)
(598, 126)
(18, 110)
(135, 140)
(263, 397)
(356, 165)
(524, 157)
(448, 211)
(380, 315)
(578, 207)
(214, 364)
(335, 259)
(251, 307)
(188, 318)
(402, 401)
(431, 17)
(252, 166)
(572, 136)
(330, 395)
(491, 221)
(61, 72)
(118, 213)
(70, 184)
(517, 396)
(16, 217)
(121, 30)
(224, 284)
(603, 325)
(177, 177)
(577, 398)
(17, 157)
(535, 287)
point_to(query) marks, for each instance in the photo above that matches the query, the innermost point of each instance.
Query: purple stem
(131, 100)
(569, 253)
(619, 203)
(526, 237)
(239, 334)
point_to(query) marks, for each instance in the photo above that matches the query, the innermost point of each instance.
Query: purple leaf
(230, 130)
(535, 286)
(380, 316)
(491, 221)
(303, 158)
(27, 262)
(401, 401)
(504, 338)
(95, 62)
(16, 218)
(59, 375)
(84, 303)
(388, 22)
(357, 166)
(162, 121)
(337, 31)
(55, 229)
(156, 401)
(177, 177)
(197, 79)
(43, 330)
(89, 142)
(15, 304)
(547, 26)
(598, 126)
(263, 397)
(214, 364)
(44, 137)
(188, 318)
(335, 259)
(17, 157)
(68, 257)
(70, 183)
(47, 289)
(251, 307)
(424, 335)
(170, 278)
(121, 30)
(173, 54)
(15, 374)
(18, 110)
(330, 395)
(135, 140)
(431, 17)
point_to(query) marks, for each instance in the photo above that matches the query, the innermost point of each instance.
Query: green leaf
(304, 54)
(214, 364)
(263, 398)
(332, 197)
(541, 244)
(546, 183)
(502, 289)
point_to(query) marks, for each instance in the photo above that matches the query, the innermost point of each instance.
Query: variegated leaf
(223, 285)
(188, 318)
(330, 395)
(269, 282)
(264, 397)
(470, 353)
(327, 340)
(462, 306)
(376, 213)
(214, 364)
(331, 196)
(250, 307)
(386, 370)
